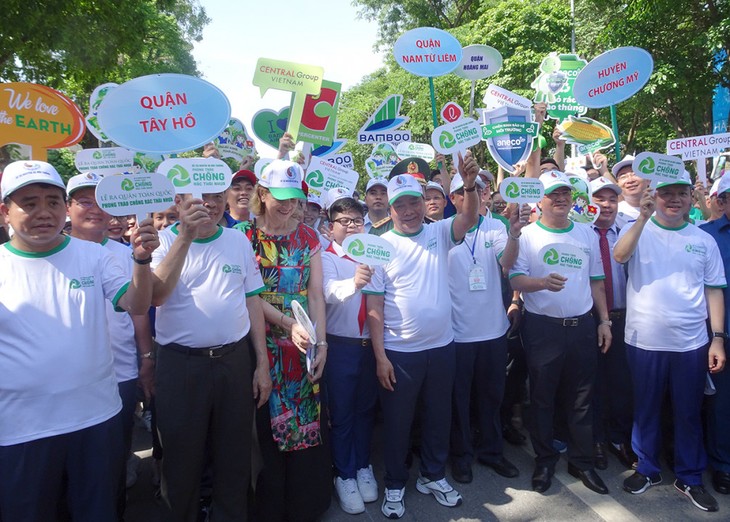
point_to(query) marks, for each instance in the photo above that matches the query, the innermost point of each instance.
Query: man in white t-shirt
(129, 334)
(409, 316)
(480, 337)
(632, 186)
(675, 280)
(208, 316)
(60, 428)
(560, 275)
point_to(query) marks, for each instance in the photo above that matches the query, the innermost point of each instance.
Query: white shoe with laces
(350, 499)
(393, 505)
(367, 484)
(441, 490)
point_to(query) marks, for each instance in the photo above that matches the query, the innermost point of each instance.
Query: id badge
(477, 280)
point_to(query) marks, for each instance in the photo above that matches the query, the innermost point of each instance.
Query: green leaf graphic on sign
(127, 184)
(315, 179)
(647, 166)
(551, 257)
(75, 283)
(356, 248)
(179, 176)
(96, 154)
(512, 190)
(446, 140)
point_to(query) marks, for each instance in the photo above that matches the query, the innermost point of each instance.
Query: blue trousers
(482, 364)
(684, 374)
(87, 463)
(351, 393)
(718, 423)
(431, 374)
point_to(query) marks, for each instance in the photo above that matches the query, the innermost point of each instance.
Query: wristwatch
(721, 335)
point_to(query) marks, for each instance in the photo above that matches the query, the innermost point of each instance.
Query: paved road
(491, 497)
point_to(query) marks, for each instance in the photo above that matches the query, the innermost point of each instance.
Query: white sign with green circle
(457, 136)
(323, 175)
(409, 149)
(521, 190)
(137, 194)
(104, 160)
(196, 176)
(368, 249)
(658, 168)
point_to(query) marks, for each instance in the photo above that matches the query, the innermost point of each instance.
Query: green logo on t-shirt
(83, 282)
(356, 248)
(488, 244)
(551, 257)
(699, 250)
(75, 283)
(231, 269)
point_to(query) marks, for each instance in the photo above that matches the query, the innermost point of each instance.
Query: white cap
(486, 174)
(723, 185)
(21, 173)
(283, 179)
(335, 194)
(628, 160)
(683, 179)
(87, 179)
(403, 185)
(376, 181)
(457, 183)
(432, 185)
(553, 179)
(716, 186)
(601, 183)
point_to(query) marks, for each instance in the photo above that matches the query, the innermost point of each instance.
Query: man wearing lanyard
(480, 336)
(559, 273)
(612, 404)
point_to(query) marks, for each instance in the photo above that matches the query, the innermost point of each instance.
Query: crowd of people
(617, 328)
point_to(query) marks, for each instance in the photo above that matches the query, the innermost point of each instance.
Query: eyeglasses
(86, 203)
(346, 221)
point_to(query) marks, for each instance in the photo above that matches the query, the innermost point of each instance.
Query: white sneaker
(350, 499)
(393, 504)
(441, 490)
(367, 484)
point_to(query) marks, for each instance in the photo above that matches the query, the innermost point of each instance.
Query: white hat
(627, 161)
(87, 179)
(403, 185)
(716, 186)
(458, 183)
(683, 179)
(723, 185)
(432, 185)
(376, 181)
(554, 179)
(486, 174)
(601, 183)
(335, 194)
(283, 179)
(21, 173)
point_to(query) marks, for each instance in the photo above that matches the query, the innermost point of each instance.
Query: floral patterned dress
(294, 404)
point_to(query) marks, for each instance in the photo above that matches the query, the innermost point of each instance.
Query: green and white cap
(554, 179)
(283, 179)
(403, 185)
(335, 194)
(683, 179)
(84, 180)
(21, 173)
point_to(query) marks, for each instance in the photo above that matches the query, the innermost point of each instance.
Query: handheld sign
(40, 117)
(104, 160)
(164, 113)
(319, 117)
(92, 120)
(554, 85)
(509, 133)
(196, 176)
(234, 142)
(368, 249)
(297, 78)
(269, 126)
(582, 209)
(303, 319)
(323, 175)
(382, 124)
(382, 160)
(496, 96)
(408, 149)
(260, 165)
(563, 258)
(658, 167)
(587, 134)
(698, 148)
(521, 190)
(613, 77)
(478, 62)
(457, 134)
(137, 194)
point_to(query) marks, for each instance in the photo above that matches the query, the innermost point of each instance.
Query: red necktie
(362, 314)
(606, 260)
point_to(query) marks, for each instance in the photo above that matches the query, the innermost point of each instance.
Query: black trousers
(561, 361)
(202, 399)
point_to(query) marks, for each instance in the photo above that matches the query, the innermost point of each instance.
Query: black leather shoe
(589, 478)
(600, 460)
(624, 454)
(541, 479)
(721, 482)
(461, 473)
(513, 435)
(502, 466)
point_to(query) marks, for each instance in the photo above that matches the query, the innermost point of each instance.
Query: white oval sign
(521, 190)
(659, 168)
(452, 137)
(104, 160)
(368, 249)
(137, 194)
(478, 62)
(427, 51)
(196, 176)
(409, 149)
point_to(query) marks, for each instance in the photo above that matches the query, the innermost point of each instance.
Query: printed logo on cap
(291, 173)
(400, 180)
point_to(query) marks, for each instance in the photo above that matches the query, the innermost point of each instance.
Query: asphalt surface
(490, 496)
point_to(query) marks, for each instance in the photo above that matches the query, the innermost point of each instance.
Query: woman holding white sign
(295, 483)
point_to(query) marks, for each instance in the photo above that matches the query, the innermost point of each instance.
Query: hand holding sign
(658, 168)
(368, 249)
(196, 176)
(137, 194)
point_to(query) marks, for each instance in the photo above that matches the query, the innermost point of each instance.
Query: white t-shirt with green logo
(572, 252)
(478, 315)
(56, 371)
(208, 305)
(121, 328)
(415, 285)
(665, 295)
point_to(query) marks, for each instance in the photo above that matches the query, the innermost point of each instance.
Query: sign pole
(471, 98)
(614, 126)
(433, 102)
